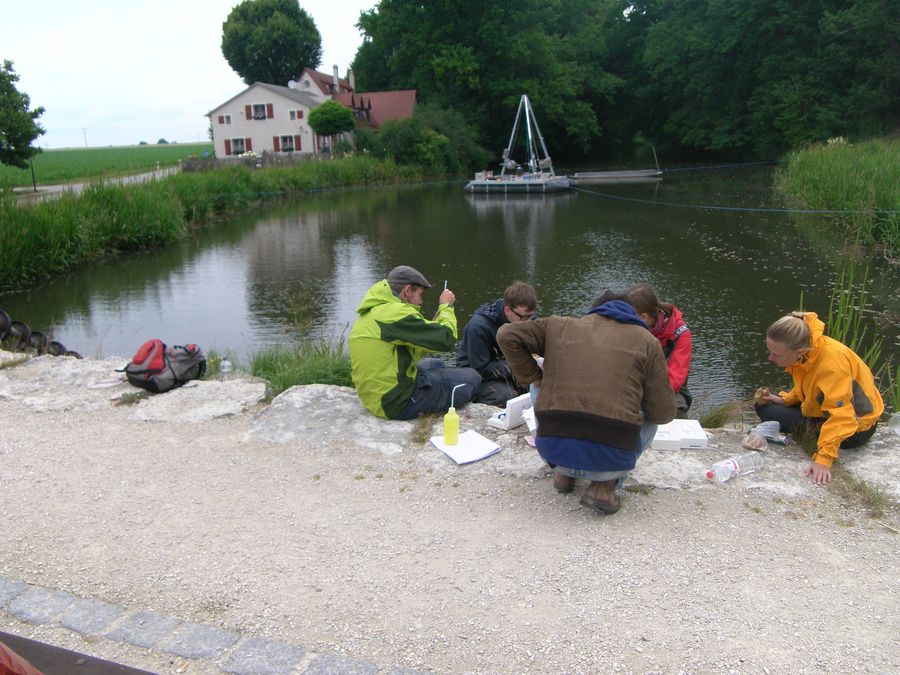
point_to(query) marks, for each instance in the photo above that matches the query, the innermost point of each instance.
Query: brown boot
(601, 497)
(563, 483)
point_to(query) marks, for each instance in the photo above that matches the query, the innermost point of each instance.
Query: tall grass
(46, 238)
(893, 378)
(318, 362)
(861, 178)
(42, 239)
(70, 164)
(846, 319)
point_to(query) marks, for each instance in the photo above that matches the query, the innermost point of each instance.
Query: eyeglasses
(524, 317)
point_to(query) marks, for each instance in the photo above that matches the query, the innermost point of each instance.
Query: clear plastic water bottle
(225, 369)
(735, 466)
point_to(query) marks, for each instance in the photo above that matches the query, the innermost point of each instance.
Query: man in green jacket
(387, 344)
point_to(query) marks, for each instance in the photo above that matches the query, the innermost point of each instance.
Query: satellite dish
(292, 84)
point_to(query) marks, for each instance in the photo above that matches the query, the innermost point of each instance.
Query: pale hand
(774, 398)
(820, 474)
(447, 297)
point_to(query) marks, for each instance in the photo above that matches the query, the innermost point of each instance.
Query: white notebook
(472, 446)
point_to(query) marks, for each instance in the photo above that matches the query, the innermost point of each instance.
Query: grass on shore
(81, 164)
(860, 178)
(42, 239)
(317, 362)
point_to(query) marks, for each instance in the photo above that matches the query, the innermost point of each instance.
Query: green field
(61, 166)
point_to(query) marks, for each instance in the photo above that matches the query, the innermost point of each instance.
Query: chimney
(337, 81)
(352, 77)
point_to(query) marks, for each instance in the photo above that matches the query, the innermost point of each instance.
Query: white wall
(261, 131)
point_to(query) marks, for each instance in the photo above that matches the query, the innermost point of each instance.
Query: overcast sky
(117, 72)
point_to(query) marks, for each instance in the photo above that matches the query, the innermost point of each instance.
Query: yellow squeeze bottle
(451, 421)
(451, 427)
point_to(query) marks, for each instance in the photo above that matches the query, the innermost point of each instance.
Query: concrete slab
(328, 415)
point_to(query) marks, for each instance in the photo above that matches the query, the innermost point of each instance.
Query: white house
(269, 118)
(264, 118)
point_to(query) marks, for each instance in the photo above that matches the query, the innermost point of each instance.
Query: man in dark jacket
(479, 349)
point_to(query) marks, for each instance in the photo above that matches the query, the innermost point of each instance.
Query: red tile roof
(325, 81)
(377, 107)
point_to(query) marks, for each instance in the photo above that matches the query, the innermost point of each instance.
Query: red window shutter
(299, 114)
(276, 144)
(248, 144)
(270, 112)
(296, 142)
(248, 112)
(221, 119)
(227, 146)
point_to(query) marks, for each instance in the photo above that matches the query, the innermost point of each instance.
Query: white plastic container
(894, 423)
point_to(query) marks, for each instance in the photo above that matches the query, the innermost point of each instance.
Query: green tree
(330, 119)
(18, 125)
(270, 40)
(761, 76)
(479, 58)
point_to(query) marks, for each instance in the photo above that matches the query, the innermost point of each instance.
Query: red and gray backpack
(159, 368)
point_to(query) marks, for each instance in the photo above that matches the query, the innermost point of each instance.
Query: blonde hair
(791, 331)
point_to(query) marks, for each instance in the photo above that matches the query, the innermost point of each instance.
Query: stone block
(339, 665)
(90, 617)
(40, 605)
(198, 641)
(143, 629)
(257, 656)
(10, 588)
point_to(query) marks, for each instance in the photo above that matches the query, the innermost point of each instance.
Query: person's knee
(472, 380)
(492, 392)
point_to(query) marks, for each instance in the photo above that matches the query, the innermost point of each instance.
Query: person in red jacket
(674, 336)
(667, 325)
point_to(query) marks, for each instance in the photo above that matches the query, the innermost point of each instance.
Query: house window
(237, 146)
(224, 119)
(296, 114)
(259, 111)
(287, 143)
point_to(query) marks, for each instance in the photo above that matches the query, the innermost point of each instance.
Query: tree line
(743, 79)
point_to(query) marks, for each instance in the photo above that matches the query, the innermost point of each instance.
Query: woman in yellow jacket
(834, 393)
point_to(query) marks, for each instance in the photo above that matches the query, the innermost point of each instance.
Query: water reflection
(520, 218)
(299, 269)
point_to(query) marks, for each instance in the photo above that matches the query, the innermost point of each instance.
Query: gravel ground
(407, 561)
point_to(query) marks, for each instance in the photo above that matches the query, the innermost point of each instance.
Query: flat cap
(404, 274)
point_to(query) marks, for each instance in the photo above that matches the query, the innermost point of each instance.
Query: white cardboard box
(679, 434)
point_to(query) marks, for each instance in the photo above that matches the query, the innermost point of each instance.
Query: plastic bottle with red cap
(735, 466)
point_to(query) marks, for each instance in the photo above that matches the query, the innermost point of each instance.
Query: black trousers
(792, 420)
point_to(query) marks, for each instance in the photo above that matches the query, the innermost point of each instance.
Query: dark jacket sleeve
(479, 346)
(658, 401)
(519, 341)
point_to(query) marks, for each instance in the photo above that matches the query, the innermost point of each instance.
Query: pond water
(297, 269)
